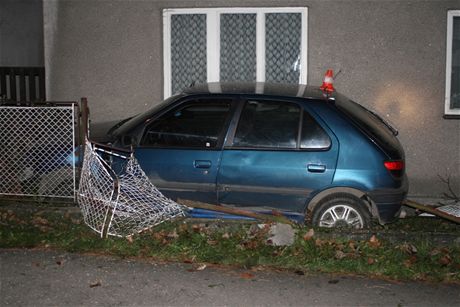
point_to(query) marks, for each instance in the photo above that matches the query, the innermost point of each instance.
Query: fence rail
(22, 84)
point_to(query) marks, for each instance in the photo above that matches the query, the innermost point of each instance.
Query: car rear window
(373, 126)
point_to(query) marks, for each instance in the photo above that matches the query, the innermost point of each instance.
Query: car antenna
(338, 73)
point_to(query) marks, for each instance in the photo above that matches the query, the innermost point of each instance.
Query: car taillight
(395, 167)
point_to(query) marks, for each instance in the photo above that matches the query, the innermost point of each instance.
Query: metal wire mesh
(118, 199)
(453, 209)
(37, 151)
(188, 50)
(283, 47)
(238, 47)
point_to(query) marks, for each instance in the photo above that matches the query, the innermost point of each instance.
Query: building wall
(21, 33)
(391, 54)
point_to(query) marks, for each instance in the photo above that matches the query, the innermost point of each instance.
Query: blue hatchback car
(298, 149)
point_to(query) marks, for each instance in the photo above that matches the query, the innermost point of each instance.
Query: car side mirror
(128, 140)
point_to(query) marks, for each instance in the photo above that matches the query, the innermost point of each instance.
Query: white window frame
(450, 32)
(213, 40)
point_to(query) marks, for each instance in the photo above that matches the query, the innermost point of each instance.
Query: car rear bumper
(388, 201)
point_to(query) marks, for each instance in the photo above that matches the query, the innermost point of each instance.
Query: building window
(452, 106)
(234, 44)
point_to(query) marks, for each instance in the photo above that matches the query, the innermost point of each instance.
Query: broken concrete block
(281, 235)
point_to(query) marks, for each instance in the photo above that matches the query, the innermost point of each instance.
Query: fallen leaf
(409, 262)
(39, 221)
(370, 261)
(130, 239)
(173, 234)
(226, 236)
(251, 245)
(435, 252)
(445, 260)
(198, 228)
(183, 228)
(212, 242)
(318, 242)
(201, 267)
(351, 245)
(95, 284)
(298, 272)
(309, 235)
(408, 248)
(247, 275)
(60, 262)
(374, 242)
(160, 236)
(339, 255)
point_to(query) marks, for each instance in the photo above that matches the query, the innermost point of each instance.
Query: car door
(278, 155)
(180, 151)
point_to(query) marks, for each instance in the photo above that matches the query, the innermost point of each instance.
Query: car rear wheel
(342, 211)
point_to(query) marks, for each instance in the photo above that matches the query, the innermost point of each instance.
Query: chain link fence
(116, 196)
(37, 150)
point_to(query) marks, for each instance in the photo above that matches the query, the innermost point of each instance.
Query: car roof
(256, 88)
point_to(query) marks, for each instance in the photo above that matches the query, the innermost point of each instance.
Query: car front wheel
(343, 211)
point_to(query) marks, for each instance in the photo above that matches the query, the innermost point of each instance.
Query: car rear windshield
(374, 126)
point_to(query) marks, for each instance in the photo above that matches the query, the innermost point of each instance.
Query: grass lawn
(404, 250)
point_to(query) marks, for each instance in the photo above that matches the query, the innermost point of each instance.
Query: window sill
(451, 116)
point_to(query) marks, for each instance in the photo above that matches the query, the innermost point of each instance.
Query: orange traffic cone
(327, 82)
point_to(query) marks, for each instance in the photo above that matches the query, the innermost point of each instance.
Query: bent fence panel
(117, 198)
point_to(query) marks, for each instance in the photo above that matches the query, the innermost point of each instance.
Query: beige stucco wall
(391, 53)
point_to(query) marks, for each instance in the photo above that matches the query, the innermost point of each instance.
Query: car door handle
(316, 168)
(202, 164)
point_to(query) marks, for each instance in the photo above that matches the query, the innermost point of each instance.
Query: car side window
(313, 136)
(195, 124)
(268, 124)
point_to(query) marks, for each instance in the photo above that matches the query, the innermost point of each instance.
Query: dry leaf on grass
(374, 242)
(309, 235)
(407, 248)
(173, 234)
(339, 255)
(226, 236)
(212, 242)
(445, 260)
(318, 242)
(409, 262)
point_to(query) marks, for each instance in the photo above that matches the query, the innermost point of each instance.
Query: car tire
(341, 211)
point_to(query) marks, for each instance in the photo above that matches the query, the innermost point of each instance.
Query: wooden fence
(22, 84)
